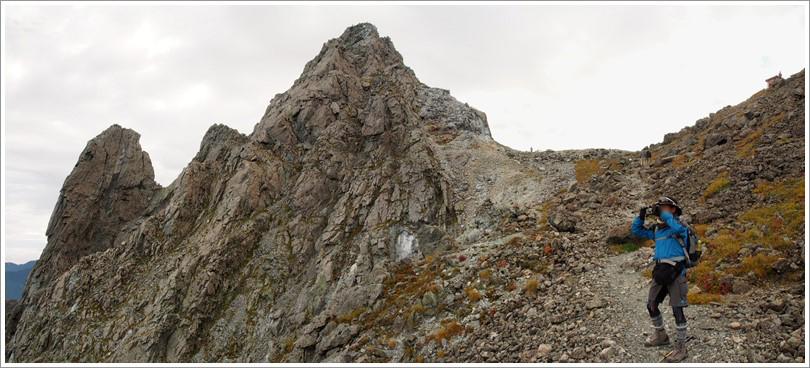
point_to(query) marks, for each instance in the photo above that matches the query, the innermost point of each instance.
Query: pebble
(608, 343)
(606, 353)
(734, 325)
(543, 350)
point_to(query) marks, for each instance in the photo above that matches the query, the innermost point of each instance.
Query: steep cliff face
(262, 238)
(111, 184)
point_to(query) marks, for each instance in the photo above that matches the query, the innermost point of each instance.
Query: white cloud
(547, 76)
(148, 40)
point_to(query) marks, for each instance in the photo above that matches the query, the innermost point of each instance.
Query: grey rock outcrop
(265, 236)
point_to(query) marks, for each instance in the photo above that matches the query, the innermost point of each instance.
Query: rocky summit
(371, 218)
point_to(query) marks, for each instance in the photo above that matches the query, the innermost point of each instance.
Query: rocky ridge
(371, 218)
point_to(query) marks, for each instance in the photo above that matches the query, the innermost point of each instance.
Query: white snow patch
(405, 242)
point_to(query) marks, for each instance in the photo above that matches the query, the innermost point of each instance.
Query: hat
(671, 202)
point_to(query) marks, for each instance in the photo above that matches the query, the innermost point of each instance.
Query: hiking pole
(665, 356)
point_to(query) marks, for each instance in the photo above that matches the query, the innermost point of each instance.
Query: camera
(654, 210)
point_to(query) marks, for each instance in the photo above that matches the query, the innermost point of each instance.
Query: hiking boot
(678, 354)
(658, 338)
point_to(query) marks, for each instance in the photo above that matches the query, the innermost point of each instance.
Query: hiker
(645, 157)
(669, 274)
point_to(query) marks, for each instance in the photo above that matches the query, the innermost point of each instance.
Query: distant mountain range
(15, 278)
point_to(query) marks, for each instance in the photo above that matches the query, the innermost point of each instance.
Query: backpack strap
(685, 253)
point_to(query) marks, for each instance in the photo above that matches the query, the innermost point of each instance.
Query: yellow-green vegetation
(775, 225)
(279, 354)
(515, 242)
(745, 148)
(400, 289)
(586, 169)
(397, 311)
(719, 184)
(625, 248)
(350, 316)
(647, 273)
(484, 274)
(701, 229)
(448, 330)
(544, 211)
(759, 264)
(704, 298)
(782, 218)
(531, 286)
(472, 294)
(678, 161)
(413, 311)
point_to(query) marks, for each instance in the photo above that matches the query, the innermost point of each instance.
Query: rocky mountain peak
(216, 141)
(359, 33)
(111, 184)
(359, 51)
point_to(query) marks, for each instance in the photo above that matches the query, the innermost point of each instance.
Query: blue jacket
(665, 246)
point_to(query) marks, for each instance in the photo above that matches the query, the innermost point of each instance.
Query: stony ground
(589, 305)
(718, 332)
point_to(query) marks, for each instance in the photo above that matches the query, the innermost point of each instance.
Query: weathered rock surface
(350, 171)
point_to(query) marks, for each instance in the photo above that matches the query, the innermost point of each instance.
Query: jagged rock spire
(111, 183)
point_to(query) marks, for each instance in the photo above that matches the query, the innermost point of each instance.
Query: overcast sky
(547, 76)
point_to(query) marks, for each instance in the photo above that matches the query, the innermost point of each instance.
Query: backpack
(692, 248)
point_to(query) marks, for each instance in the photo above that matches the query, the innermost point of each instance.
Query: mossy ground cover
(775, 224)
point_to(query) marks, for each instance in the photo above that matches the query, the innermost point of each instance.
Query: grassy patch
(759, 264)
(625, 248)
(350, 316)
(678, 161)
(484, 274)
(782, 217)
(531, 286)
(515, 242)
(719, 184)
(472, 294)
(701, 229)
(710, 280)
(586, 169)
(704, 298)
(449, 330)
(775, 224)
(745, 148)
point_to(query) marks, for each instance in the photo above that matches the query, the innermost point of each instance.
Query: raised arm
(638, 229)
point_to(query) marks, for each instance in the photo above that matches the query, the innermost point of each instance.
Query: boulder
(714, 139)
(781, 265)
(620, 234)
(563, 222)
